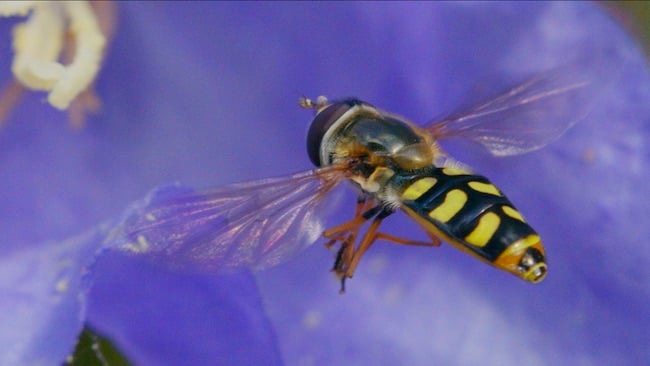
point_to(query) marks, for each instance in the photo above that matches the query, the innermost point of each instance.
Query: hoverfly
(394, 165)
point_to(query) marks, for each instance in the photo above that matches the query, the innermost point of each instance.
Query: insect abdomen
(468, 210)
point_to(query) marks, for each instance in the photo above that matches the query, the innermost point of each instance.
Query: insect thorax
(377, 146)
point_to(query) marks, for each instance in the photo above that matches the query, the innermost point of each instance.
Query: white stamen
(38, 43)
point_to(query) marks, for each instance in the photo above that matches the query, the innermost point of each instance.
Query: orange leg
(363, 212)
(350, 226)
(348, 257)
(347, 233)
(363, 205)
(435, 242)
(368, 239)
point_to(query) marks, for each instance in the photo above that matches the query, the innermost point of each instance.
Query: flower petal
(214, 319)
(42, 300)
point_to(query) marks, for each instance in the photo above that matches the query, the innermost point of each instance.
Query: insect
(394, 165)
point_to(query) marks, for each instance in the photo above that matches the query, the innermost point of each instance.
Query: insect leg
(435, 241)
(354, 224)
(346, 268)
(363, 204)
(344, 255)
(347, 234)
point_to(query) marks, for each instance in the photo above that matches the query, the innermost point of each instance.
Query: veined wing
(528, 116)
(250, 225)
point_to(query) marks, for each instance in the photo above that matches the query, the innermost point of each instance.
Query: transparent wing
(242, 226)
(528, 116)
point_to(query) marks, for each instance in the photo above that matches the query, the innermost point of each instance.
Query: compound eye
(319, 126)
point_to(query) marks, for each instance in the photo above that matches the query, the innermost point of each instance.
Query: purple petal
(42, 305)
(161, 317)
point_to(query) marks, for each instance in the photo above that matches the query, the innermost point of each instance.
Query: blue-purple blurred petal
(42, 299)
(158, 317)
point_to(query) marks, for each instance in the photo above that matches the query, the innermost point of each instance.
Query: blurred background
(633, 16)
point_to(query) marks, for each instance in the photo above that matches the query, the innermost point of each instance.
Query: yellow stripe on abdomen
(418, 188)
(510, 211)
(454, 202)
(484, 188)
(487, 225)
(453, 171)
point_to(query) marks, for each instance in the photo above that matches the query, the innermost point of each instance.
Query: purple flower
(206, 94)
